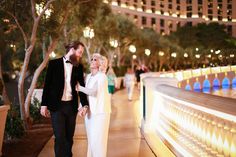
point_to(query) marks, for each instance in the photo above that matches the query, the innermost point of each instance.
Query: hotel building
(165, 16)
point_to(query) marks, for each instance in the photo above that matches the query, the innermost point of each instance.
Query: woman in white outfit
(98, 117)
(129, 81)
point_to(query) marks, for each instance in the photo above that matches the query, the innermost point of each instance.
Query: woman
(111, 80)
(98, 117)
(129, 81)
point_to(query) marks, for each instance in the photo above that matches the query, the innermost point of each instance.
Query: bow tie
(67, 61)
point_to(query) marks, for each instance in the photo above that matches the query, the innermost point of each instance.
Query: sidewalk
(125, 139)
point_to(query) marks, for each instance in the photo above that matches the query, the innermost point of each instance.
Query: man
(61, 99)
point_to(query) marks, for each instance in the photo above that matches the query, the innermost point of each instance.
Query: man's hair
(74, 44)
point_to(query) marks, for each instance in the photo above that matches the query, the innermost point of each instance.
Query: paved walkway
(125, 138)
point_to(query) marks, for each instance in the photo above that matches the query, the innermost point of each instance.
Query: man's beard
(74, 60)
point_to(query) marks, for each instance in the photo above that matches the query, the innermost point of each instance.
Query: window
(220, 18)
(178, 1)
(229, 6)
(162, 22)
(178, 7)
(144, 20)
(189, 14)
(210, 17)
(153, 3)
(189, 24)
(153, 10)
(199, 1)
(189, 8)
(153, 21)
(170, 6)
(210, 11)
(189, 1)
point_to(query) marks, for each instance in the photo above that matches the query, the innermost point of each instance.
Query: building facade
(165, 16)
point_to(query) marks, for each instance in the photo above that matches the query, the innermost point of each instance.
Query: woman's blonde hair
(103, 62)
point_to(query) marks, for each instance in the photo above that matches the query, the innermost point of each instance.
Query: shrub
(35, 110)
(14, 124)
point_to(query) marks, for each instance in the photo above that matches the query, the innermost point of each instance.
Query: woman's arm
(89, 91)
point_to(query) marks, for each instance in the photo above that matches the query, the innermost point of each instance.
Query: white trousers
(97, 127)
(130, 89)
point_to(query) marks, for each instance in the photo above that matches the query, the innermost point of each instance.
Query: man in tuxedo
(60, 99)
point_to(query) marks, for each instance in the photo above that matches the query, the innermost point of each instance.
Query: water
(226, 91)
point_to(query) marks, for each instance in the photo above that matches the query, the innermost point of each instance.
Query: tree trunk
(35, 78)
(4, 92)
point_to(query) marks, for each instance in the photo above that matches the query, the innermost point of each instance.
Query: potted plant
(3, 114)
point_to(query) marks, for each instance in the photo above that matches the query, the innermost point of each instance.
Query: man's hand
(77, 87)
(44, 111)
(83, 111)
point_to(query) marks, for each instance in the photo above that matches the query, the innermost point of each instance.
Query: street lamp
(113, 43)
(134, 56)
(88, 32)
(185, 55)
(132, 48)
(161, 53)
(174, 54)
(147, 52)
(53, 54)
(197, 55)
(197, 48)
(39, 9)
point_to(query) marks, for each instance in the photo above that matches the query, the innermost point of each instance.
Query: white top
(96, 88)
(67, 92)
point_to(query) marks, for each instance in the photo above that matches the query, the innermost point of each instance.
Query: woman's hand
(77, 87)
(83, 111)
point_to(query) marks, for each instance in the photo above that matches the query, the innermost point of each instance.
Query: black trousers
(63, 123)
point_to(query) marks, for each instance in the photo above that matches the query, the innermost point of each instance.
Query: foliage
(14, 124)
(120, 71)
(35, 110)
(41, 79)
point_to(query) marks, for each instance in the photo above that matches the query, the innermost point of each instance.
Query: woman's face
(94, 64)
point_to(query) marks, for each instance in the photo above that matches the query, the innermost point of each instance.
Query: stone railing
(3, 115)
(189, 123)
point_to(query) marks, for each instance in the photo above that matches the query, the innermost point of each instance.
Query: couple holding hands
(63, 83)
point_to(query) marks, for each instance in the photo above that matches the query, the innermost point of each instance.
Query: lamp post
(113, 43)
(88, 34)
(132, 49)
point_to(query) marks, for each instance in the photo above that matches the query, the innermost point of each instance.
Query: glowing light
(114, 43)
(197, 55)
(231, 55)
(132, 48)
(134, 56)
(185, 55)
(39, 9)
(147, 52)
(53, 54)
(174, 54)
(161, 53)
(88, 32)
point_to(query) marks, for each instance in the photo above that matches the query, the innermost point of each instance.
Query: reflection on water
(225, 91)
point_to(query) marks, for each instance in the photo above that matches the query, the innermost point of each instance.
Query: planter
(3, 116)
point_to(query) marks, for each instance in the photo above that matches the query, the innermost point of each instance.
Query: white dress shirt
(67, 92)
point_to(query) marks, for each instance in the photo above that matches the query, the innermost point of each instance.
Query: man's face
(77, 54)
(79, 51)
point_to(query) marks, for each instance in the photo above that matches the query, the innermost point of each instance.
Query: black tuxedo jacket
(54, 85)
